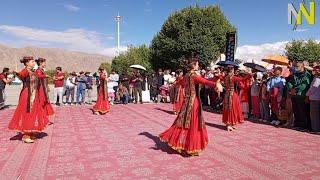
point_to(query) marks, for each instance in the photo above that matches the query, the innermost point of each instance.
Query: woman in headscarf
(188, 134)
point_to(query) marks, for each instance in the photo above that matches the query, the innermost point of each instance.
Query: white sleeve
(316, 83)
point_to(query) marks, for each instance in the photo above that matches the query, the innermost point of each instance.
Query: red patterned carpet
(124, 145)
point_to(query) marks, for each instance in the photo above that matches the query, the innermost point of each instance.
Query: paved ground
(124, 145)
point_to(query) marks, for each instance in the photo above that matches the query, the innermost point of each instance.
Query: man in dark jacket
(298, 87)
(160, 82)
(138, 86)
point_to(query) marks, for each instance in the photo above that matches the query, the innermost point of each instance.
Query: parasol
(137, 66)
(255, 66)
(276, 59)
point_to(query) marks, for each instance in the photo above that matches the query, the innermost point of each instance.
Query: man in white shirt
(114, 80)
(70, 88)
(166, 77)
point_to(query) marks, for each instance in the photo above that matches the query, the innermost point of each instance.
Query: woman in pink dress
(188, 133)
(102, 105)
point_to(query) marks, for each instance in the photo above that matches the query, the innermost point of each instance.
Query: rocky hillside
(68, 60)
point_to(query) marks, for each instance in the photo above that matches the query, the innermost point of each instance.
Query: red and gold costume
(232, 113)
(102, 105)
(29, 116)
(188, 132)
(43, 92)
(178, 95)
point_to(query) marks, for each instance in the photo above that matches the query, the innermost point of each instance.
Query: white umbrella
(137, 66)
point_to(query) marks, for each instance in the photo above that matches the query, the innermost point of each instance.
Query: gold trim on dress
(179, 149)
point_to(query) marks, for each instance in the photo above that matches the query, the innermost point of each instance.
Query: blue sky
(89, 26)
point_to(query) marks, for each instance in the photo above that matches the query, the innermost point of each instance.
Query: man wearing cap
(298, 87)
(275, 87)
(89, 87)
(70, 88)
(81, 88)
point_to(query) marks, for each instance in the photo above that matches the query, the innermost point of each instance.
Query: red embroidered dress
(179, 95)
(43, 92)
(188, 132)
(29, 115)
(232, 113)
(102, 105)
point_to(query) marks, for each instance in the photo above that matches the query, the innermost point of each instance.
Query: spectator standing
(160, 82)
(89, 88)
(314, 97)
(264, 103)
(138, 85)
(58, 86)
(298, 87)
(81, 88)
(255, 101)
(124, 79)
(114, 80)
(3, 81)
(153, 87)
(275, 87)
(70, 88)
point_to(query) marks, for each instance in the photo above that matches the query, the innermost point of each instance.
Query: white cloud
(71, 39)
(257, 52)
(110, 37)
(301, 30)
(71, 7)
(113, 51)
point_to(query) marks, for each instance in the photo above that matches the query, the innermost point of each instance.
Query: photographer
(3, 81)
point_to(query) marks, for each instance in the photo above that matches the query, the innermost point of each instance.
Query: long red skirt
(102, 105)
(177, 105)
(192, 140)
(255, 106)
(34, 121)
(45, 103)
(233, 116)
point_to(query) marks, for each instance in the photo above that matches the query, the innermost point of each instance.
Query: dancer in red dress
(102, 106)
(29, 116)
(179, 92)
(43, 87)
(232, 113)
(188, 133)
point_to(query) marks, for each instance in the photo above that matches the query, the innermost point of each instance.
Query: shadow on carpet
(18, 137)
(166, 111)
(159, 145)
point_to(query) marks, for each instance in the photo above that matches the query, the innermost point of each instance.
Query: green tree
(192, 30)
(136, 55)
(106, 66)
(303, 50)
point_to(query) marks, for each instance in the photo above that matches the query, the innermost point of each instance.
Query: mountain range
(68, 60)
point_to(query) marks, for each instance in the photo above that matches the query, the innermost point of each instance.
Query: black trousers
(301, 111)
